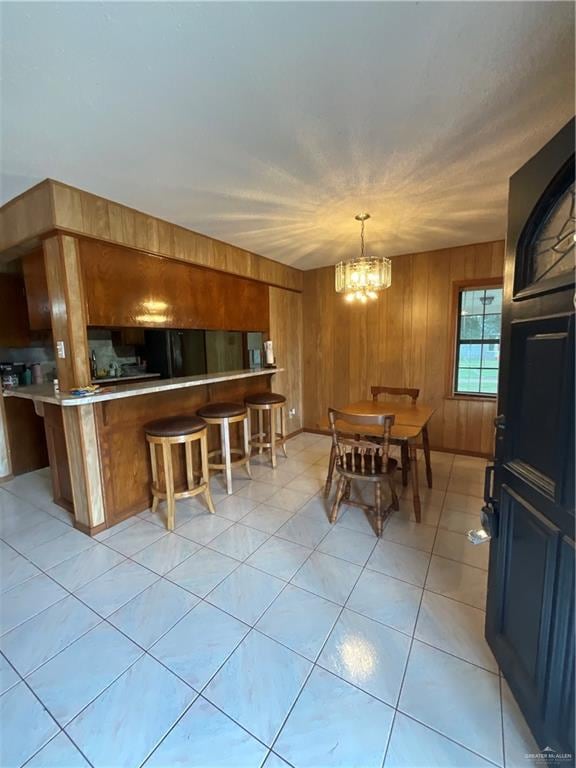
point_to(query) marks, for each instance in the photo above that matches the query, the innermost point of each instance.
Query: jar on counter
(37, 377)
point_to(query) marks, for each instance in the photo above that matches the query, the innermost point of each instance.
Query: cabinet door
(14, 326)
(36, 291)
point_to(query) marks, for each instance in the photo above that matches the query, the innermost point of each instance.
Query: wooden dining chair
(413, 394)
(362, 459)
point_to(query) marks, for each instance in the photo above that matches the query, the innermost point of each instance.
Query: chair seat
(221, 410)
(174, 426)
(353, 464)
(264, 398)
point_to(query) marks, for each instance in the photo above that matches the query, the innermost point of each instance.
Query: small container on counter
(56, 387)
(37, 377)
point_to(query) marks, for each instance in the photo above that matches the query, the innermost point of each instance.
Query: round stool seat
(221, 410)
(174, 426)
(265, 398)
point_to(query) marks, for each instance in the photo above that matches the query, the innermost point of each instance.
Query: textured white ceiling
(270, 125)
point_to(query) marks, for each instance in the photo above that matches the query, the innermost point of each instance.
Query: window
(478, 341)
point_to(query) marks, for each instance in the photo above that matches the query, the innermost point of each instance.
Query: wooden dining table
(410, 427)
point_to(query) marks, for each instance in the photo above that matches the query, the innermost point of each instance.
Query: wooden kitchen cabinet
(36, 289)
(14, 325)
(129, 289)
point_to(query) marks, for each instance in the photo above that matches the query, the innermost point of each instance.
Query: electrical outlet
(60, 350)
(291, 413)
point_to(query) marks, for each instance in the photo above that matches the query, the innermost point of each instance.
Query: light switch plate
(60, 349)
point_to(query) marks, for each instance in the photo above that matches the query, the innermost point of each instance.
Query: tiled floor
(261, 636)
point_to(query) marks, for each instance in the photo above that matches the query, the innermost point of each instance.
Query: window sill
(474, 398)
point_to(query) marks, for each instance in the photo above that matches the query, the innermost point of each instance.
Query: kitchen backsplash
(99, 341)
(43, 354)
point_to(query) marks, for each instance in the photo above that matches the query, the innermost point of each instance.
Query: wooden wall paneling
(67, 307)
(95, 216)
(436, 339)
(36, 288)
(127, 288)
(401, 339)
(286, 332)
(419, 350)
(86, 214)
(67, 203)
(27, 216)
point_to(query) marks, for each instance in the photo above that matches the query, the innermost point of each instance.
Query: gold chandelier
(362, 278)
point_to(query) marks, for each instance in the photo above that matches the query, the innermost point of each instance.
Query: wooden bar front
(124, 457)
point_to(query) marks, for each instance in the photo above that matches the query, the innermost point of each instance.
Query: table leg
(405, 461)
(426, 447)
(414, 474)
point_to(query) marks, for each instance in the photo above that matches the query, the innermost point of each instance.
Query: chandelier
(364, 277)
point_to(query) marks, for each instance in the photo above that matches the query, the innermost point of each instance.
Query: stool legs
(225, 442)
(189, 466)
(261, 433)
(154, 476)
(273, 438)
(283, 429)
(228, 456)
(206, 473)
(169, 491)
(246, 432)
(169, 479)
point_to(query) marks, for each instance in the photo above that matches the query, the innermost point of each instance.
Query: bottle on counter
(93, 365)
(27, 377)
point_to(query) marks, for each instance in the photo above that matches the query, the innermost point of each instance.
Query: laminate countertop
(44, 393)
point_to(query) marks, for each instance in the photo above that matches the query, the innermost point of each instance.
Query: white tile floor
(261, 636)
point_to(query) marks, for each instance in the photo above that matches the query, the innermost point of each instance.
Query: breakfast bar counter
(44, 393)
(97, 450)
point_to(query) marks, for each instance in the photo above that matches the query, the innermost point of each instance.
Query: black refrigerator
(174, 353)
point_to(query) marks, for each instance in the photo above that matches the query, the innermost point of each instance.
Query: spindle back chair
(413, 394)
(362, 458)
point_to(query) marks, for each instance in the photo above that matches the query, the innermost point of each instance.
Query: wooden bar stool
(274, 404)
(177, 430)
(224, 414)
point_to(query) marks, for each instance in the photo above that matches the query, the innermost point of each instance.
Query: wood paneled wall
(402, 339)
(27, 216)
(287, 337)
(54, 205)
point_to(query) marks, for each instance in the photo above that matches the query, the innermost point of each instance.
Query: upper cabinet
(14, 326)
(127, 288)
(36, 291)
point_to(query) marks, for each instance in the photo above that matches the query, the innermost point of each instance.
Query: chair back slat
(410, 392)
(356, 454)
